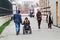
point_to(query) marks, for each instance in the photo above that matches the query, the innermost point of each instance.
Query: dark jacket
(17, 18)
(38, 15)
(50, 20)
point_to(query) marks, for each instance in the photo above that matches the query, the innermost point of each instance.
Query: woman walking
(39, 18)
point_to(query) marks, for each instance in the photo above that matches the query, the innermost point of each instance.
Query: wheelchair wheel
(23, 30)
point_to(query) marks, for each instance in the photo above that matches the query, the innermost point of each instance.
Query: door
(56, 13)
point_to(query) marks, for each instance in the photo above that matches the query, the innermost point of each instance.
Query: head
(26, 18)
(38, 10)
(18, 11)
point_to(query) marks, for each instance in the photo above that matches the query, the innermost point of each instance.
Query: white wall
(53, 10)
(59, 13)
(14, 9)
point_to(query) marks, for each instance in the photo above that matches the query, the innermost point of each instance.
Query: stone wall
(4, 19)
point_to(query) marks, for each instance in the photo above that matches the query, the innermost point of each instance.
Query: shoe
(48, 27)
(39, 28)
(17, 33)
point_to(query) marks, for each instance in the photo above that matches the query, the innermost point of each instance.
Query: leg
(30, 30)
(39, 24)
(17, 29)
(50, 26)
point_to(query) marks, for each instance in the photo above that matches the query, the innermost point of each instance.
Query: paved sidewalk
(37, 34)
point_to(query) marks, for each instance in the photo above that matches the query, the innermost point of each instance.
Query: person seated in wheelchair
(26, 24)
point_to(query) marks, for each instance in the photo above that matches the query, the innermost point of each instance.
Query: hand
(22, 23)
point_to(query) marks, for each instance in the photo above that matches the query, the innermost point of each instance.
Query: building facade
(5, 11)
(54, 7)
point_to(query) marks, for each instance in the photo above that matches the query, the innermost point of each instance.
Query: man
(17, 21)
(32, 13)
(49, 19)
(39, 18)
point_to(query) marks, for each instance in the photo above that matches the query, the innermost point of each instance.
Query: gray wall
(59, 13)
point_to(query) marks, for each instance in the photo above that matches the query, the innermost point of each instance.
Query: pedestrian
(49, 20)
(32, 13)
(17, 20)
(39, 18)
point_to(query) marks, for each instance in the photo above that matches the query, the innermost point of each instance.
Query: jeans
(17, 27)
(39, 22)
(30, 15)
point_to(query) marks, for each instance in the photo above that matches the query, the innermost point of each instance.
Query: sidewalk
(37, 34)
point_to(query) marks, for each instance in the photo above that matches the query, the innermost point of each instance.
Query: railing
(5, 11)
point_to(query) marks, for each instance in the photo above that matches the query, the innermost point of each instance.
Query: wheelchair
(27, 30)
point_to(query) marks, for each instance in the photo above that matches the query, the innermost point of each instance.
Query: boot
(39, 27)
(17, 33)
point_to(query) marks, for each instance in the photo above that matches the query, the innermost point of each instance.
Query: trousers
(17, 27)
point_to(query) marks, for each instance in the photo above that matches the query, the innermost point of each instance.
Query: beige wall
(45, 7)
